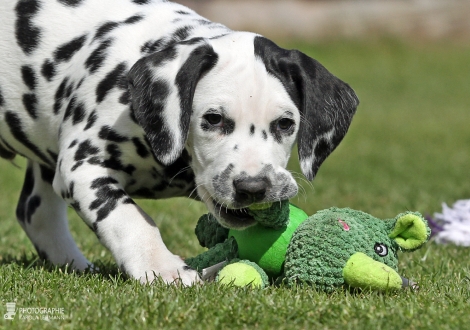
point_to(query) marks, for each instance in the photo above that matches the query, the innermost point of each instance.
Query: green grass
(407, 149)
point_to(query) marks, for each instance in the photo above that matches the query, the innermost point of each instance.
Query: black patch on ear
(115, 78)
(16, 129)
(29, 77)
(65, 52)
(71, 3)
(149, 94)
(48, 70)
(27, 35)
(97, 57)
(201, 60)
(326, 103)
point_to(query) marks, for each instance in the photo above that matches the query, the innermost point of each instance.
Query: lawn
(407, 149)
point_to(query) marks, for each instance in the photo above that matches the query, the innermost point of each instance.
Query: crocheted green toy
(330, 249)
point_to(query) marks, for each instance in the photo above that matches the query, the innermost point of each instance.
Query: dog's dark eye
(285, 124)
(381, 249)
(214, 119)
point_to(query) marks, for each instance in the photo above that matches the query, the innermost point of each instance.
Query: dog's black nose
(250, 190)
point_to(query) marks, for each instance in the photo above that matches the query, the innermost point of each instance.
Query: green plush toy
(330, 249)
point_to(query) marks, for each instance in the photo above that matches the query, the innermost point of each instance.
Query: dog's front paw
(172, 270)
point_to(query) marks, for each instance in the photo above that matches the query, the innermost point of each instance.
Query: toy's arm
(227, 250)
(209, 232)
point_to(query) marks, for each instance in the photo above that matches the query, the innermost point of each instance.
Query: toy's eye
(381, 249)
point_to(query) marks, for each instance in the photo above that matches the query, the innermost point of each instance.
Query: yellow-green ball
(240, 274)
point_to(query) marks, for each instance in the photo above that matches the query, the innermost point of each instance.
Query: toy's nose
(250, 190)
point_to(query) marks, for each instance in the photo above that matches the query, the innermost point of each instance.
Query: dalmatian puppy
(112, 100)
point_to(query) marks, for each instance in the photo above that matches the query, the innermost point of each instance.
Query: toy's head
(337, 247)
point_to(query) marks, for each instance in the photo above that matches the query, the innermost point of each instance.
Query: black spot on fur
(78, 114)
(32, 205)
(2, 100)
(71, 3)
(265, 135)
(76, 206)
(107, 196)
(59, 95)
(114, 161)
(85, 149)
(91, 120)
(53, 155)
(16, 129)
(47, 174)
(97, 57)
(27, 35)
(219, 182)
(65, 52)
(26, 191)
(140, 148)
(182, 12)
(70, 108)
(181, 33)
(115, 78)
(6, 151)
(141, 2)
(73, 144)
(153, 46)
(180, 169)
(134, 19)
(125, 98)
(107, 133)
(252, 129)
(29, 77)
(105, 28)
(76, 165)
(69, 90)
(30, 104)
(48, 70)
(41, 254)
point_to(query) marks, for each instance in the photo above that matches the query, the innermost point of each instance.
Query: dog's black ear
(326, 103)
(162, 88)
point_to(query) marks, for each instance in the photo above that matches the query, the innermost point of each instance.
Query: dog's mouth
(233, 218)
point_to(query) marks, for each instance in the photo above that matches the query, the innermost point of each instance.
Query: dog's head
(238, 104)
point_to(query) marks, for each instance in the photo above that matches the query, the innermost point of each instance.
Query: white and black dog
(111, 100)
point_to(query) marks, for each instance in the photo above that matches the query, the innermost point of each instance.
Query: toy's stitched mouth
(233, 218)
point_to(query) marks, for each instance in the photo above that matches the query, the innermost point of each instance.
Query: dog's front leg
(98, 196)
